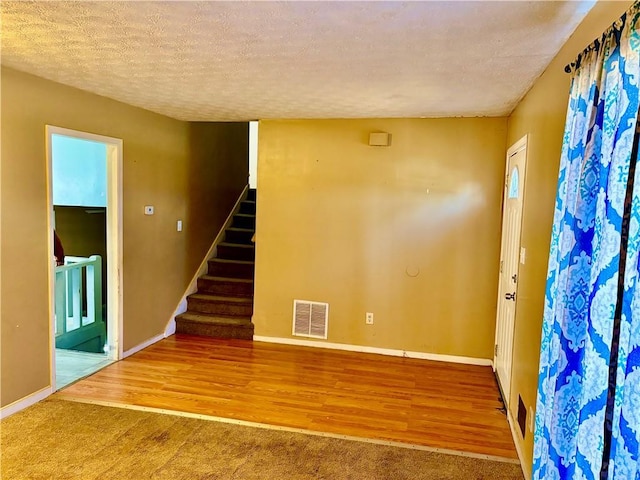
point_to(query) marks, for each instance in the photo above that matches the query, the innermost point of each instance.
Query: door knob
(510, 296)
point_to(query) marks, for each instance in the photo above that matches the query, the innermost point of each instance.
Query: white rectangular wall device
(380, 139)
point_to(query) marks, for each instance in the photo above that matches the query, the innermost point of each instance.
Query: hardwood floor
(434, 404)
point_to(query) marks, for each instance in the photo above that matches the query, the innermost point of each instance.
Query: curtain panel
(588, 417)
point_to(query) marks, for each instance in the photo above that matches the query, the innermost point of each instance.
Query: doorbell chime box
(380, 139)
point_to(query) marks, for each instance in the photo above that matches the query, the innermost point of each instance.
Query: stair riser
(236, 253)
(244, 222)
(215, 331)
(251, 195)
(232, 270)
(248, 208)
(232, 236)
(232, 289)
(219, 308)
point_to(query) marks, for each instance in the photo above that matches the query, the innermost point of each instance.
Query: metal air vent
(310, 319)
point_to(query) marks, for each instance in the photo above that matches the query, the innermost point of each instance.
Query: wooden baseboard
(25, 402)
(377, 350)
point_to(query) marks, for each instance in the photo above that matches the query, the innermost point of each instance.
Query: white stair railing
(71, 281)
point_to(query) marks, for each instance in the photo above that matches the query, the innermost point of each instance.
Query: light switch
(148, 209)
(179, 225)
(523, 255)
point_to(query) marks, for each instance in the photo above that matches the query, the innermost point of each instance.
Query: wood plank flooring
(434, 404)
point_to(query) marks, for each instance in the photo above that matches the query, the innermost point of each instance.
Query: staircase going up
(223, 305)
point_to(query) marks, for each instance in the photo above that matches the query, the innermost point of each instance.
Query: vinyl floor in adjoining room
(72, 365)
(419, 402)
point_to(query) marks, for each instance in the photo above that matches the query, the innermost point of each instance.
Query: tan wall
(82, 233)
(341, 222)
(188, 171)
(542, 115)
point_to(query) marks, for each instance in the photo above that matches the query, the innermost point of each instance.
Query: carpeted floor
(57, 439)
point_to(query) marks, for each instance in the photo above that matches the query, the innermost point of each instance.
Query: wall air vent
(522, 416)
(310, 319)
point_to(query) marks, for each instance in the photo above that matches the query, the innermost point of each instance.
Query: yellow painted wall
(192, 172)
(542, 115)
(82, 230)
(410, 232)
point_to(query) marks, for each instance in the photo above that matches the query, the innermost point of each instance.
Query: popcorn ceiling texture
(236, 61)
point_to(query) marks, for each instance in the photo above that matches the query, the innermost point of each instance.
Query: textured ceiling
(257, 60)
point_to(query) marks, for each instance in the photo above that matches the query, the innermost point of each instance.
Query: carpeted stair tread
(225, 260)
(236, 245)
(242, 236)
(237, 235)
(225, 286)
(235, 321)
(248, 206)
(236, 251)
(244, 220)
(226, 279)
(218, 298)
(222, 267)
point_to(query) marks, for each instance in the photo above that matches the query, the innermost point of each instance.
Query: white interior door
(510, 258)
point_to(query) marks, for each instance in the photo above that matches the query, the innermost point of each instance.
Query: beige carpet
(57, 439)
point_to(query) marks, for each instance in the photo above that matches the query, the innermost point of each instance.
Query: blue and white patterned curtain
(588, 408)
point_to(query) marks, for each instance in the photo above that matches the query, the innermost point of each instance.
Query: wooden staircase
(223, 305)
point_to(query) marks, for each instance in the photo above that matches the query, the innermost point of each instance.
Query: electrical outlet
(369, 318)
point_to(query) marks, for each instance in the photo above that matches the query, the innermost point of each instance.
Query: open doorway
(85, 192)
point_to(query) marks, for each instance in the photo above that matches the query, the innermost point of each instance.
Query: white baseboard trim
(182, 307)
(25, 402)
(517, 441)
(202, 269)
(377, 350)
(143, 345)
(171, 326)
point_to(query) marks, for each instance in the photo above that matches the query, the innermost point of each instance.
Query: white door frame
(505, 384)
(114, 241)
(253, 153)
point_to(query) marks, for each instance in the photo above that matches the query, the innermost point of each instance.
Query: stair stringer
(202, 269)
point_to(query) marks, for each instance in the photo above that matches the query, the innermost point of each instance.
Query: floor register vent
(310, 319)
